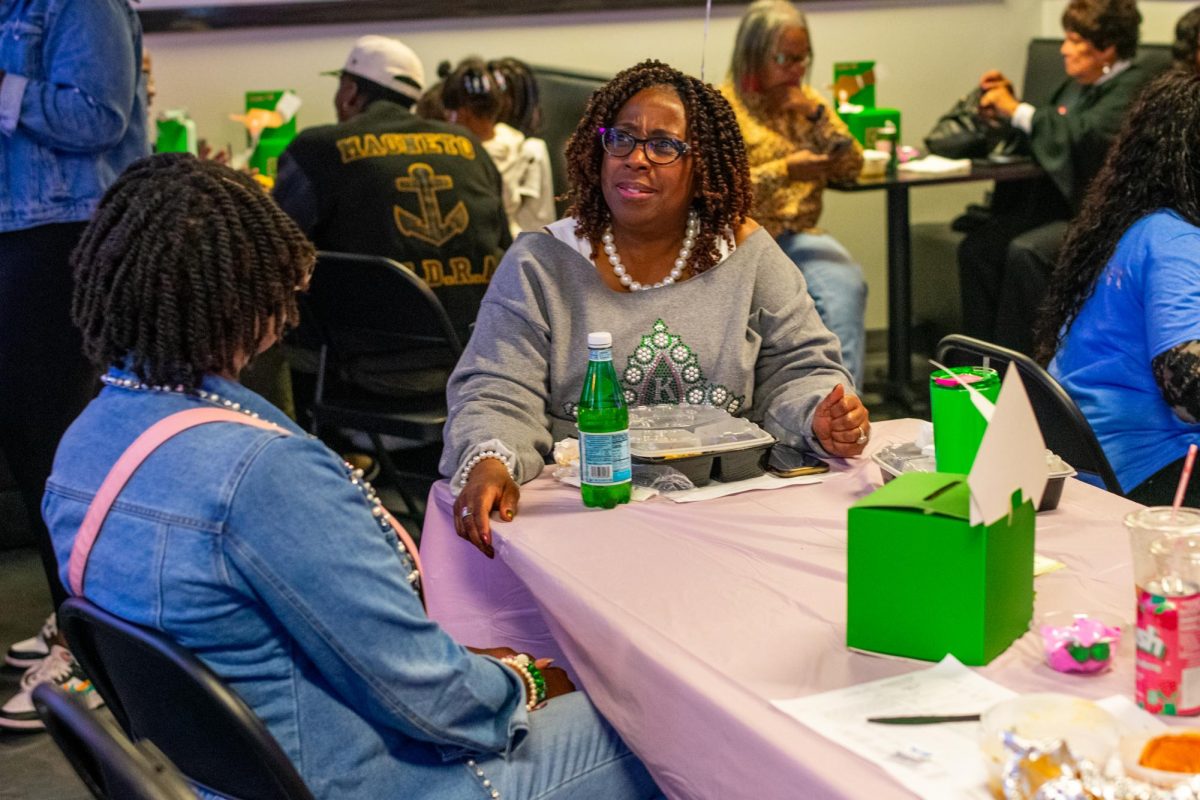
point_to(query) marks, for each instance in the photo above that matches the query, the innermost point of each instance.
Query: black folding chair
(110, 766)
(1064, 428)
(387, 347)
(158, 691)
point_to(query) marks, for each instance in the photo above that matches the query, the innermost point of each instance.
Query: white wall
(928, 54)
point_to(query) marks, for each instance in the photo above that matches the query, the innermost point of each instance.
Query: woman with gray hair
(796, 144)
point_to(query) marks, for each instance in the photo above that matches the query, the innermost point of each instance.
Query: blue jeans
(571, 754)
(837, 286)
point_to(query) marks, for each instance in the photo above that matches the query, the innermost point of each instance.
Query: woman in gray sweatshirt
(658, 249)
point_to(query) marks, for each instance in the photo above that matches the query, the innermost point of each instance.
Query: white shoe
(26, 653)
(59, 668)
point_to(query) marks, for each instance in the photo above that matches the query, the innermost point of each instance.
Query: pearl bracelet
(480, 456)
(535, 682)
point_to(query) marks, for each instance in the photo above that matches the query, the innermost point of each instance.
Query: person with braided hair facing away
(1120, 327)
(522, 108)
(658, 249)
(258, 549)
(797, 144)
(472, 96)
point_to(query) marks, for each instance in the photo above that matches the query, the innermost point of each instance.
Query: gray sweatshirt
(743, 335)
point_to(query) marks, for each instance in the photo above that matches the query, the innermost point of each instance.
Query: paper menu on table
(955, 767)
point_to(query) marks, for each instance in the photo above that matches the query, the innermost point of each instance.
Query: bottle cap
(597, 339)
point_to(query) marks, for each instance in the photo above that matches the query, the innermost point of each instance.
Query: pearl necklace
(689, 241)
(354, 475)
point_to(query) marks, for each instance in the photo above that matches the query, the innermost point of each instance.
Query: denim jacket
(254, 550)
(72, 106)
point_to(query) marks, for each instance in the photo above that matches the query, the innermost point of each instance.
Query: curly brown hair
(722, 172)
(184, 267)
(1105, 23)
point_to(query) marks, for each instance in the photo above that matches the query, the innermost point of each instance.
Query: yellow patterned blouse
(782, 204)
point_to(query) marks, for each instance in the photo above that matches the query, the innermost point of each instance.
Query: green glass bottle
(605, 473)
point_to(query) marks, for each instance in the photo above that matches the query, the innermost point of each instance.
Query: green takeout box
(923, 582)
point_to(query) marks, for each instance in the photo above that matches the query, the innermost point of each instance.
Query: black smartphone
(788, 463)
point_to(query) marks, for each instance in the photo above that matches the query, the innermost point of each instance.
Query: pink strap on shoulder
(123, 470)
(132, 458)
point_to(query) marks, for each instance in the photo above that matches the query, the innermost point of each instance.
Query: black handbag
(962, 132)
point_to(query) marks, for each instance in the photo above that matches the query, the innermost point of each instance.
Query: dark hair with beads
(722, 174)
(186, 265)
(519, 89)
(470, 85)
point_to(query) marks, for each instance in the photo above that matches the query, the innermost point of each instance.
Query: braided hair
(472, 86)
(185, 268)
(1153, 164)
(723, 192)
(521, 108)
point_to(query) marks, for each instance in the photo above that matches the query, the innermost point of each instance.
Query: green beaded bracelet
(539, 681)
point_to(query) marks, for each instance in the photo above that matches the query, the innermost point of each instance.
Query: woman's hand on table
(488, 488)
(805, 165)
(557, 681)
(841, 424)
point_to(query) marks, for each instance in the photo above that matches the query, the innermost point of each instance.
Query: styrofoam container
(1088, 730)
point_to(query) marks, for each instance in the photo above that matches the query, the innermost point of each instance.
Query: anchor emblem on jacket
(431, 226)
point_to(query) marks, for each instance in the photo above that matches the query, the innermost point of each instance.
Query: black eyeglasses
(789, 60)
(661, 150)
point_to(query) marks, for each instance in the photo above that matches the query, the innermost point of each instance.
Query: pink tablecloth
(682, 621)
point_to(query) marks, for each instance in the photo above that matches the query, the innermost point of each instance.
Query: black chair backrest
(1044, 67)
(159, 691)
(108, 763)
(563, 97)
(373, 303)
(1064, 428)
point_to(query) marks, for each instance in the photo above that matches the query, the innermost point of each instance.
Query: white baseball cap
(388, 62)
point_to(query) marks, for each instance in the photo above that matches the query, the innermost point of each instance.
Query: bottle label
(603, 354)
(1168, 653)
(604, 458)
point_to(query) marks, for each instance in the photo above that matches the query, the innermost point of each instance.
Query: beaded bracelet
(480, 456)
(535, 682)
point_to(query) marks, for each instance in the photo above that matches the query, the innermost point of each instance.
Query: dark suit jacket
(1070, 146)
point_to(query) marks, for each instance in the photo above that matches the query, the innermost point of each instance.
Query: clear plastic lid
(599, 339)
(907, 457)
(1165, 520)
(668, 430)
